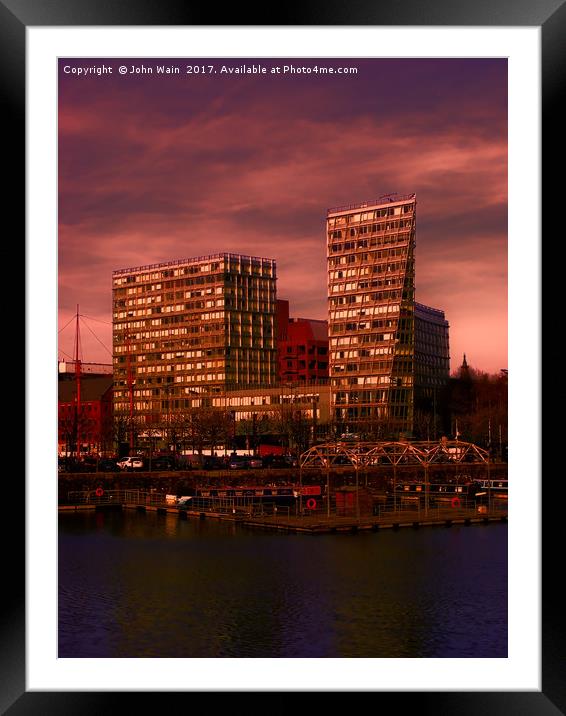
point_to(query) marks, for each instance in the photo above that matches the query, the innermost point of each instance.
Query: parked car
(130, 463)
(210, 462)
(163, 463)
(279, 461)
(184, 463)
(106, 464)
(192, 462)
(238, 463)
(349, 437)
(89, 463)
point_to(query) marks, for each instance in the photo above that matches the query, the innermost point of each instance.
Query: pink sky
(159, 168)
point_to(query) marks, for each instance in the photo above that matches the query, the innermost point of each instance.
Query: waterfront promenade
(287, 519)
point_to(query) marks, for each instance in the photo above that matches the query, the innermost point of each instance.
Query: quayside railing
(252, 507)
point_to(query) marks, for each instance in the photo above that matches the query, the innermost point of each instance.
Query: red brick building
(94, 424)
(302, 347)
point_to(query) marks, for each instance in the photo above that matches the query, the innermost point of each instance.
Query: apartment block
(303, 348)
(192, 327)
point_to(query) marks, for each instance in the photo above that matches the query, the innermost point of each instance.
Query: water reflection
(151, 585)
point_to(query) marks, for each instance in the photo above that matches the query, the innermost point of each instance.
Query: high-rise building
(192, 327)
(372, 317)
(432, 356)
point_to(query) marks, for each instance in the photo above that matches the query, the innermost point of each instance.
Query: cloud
(148, 175)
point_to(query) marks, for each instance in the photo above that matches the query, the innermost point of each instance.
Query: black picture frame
(550, 16)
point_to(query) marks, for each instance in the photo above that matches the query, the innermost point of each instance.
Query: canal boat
(453, 493)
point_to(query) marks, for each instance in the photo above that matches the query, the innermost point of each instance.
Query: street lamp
(426, 487)
(488, 485)
(357, 491)
(395, 479)
(301, 488)
(328, 487)
(168, 390)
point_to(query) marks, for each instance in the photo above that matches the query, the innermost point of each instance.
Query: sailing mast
(78, 384)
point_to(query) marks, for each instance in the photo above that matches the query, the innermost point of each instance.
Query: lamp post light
(314, 422)
(168, 390)
(357, 491)
(394, 482)
(301, 488)
(233, 414)
(328, 487)
(426, 488)
(488, 485)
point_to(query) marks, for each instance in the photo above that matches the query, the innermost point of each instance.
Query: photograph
(282, 366)
(292, 279)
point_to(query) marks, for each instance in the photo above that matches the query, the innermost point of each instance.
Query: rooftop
(318, 327)
(430, 311)
(193, 260)
(382, 200)
(91, 389)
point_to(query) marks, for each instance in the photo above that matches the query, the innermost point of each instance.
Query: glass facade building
(192, 327)
(432, 356)
(373, 318)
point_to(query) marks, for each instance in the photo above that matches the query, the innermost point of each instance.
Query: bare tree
(79, 427)
(294, 427)
(126, 428)
(152, 432)
(478, 404)
(181, 426)
(202, 428)
(216, 426)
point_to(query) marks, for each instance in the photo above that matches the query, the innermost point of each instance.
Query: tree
(81, 427)
(424, 424)
(478, 403)
(295, 427)
(180, 427)
(216, 426)
(126, 429)
(152, 431)
(202, 428)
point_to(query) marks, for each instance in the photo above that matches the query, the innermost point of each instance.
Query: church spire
(465, 369)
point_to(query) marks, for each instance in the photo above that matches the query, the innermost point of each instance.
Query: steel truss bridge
(372, 454)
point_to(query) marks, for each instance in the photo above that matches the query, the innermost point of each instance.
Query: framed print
(86, 158)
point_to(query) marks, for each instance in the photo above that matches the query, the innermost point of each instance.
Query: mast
(78, 384)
